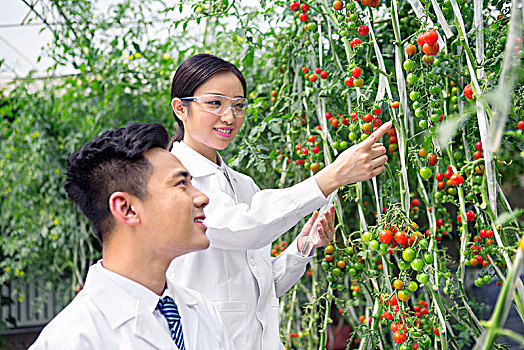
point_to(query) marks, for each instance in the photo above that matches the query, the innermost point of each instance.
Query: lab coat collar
(119, 307)
(195, 163)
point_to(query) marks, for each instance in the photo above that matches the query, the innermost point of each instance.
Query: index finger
(374, 137)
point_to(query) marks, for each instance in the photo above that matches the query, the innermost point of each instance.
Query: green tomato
(352, 271)
(366, 236)
(403, 265)
(412, 286)
(311, 26)
(364, 136)
(340, 287)
(486, 279)
(336, 271)
(374, 244)
(409, 65)
(417, 264)
(409, 254)
(423, 124)
(428, 258)
(353, 136)
(414, 95)
(452, 191)
(324, 265)
(343, 145)
(479, 282)
(412, 79)
(353, 17)
(423, 243)
(438, 195)
(425, 172)
(330, 278)
(437, 62)
(383, 249)
(343, 33)
(416, 105)
(419, 113)
(434, 118)
(423, 278)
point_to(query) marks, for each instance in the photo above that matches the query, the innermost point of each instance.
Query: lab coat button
(252, 261)
(294, 263)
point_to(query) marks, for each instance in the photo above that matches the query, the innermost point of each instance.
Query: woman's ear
(179, 108)
(123, 208)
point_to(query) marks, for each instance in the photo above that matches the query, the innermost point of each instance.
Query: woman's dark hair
(192, 73)
(112, 162)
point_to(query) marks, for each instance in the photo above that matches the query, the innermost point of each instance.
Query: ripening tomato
(329, 249)
(363, 30)
(411, 50)
(305, 70)
(334, 122)
(398, 284)
(311, 138)
(430, 50)
(399, 338)
(338, 5)
(358, 82)
(457, 179)
(427, 59)
(432, 159)
(395, 104)
(313, 78)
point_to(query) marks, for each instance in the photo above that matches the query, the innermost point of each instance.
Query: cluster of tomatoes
(355, 79)
(295, 6)
(337, 264)
(310, 157)
(393, 141)
(313, 77)
(417, 327)
(278, 249)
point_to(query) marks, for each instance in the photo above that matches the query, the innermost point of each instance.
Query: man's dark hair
(112, 162)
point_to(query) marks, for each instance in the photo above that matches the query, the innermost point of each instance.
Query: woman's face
(205, 131)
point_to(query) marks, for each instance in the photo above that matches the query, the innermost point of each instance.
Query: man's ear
(123, 209)
(179, 108)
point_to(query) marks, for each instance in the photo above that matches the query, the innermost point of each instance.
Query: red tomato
(356, 72)
(477, 155)
(355, 42)
(329, 115)
(315, 149)
(432, 159)
(294, 6)
(323, 74)
(393, 139)
(318, 70)
(520, 125)
(439, 176)
(303, 16)
(313, 78)
(401, 237)
(457, 179)
(305, 70)
(363, 30)
(431, 37)
(448, 173)
(470, 215)
(367, 118)
(415, 202)
(311, 138)
(304, 7)
(377, 111)
(354, 115)
(349, 81)
(441, 185)
(478, 146)
(395, 104)
(334, 122)
(468, 91)
(420, 39)
(385, 236)
(345, 121)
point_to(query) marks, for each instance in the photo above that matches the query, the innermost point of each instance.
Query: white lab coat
(105, 316)
(237, 272)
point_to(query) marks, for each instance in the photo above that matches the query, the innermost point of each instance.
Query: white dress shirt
(237, 272)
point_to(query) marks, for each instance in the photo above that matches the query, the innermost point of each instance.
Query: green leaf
(249, 56)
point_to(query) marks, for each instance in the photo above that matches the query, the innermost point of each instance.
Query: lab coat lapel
(146, 327)
(187, 307)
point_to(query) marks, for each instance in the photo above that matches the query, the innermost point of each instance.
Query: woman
(237, 273)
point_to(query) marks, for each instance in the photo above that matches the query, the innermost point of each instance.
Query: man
(145, 211)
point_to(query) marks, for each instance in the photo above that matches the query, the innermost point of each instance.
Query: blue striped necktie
(169, 309)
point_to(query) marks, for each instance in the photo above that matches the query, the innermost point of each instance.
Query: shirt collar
(194, 162)
(144, 295)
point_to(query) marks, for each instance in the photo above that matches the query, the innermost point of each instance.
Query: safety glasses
(219, 104)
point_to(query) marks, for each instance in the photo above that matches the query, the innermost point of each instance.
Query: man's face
(173, 212)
